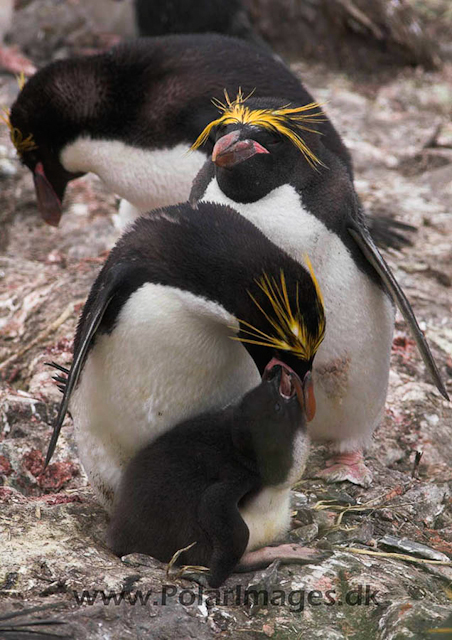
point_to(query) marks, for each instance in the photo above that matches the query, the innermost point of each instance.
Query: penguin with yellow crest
(185, 315)
(269, 162)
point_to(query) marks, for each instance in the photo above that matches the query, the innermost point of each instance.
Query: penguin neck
(281, 455)
(278, 458)
(240, 187)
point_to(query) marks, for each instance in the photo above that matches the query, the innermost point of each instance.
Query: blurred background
(355, 34)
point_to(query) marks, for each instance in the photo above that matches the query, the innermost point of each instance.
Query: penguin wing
(90, 323)
(364, 240)
(201, 182)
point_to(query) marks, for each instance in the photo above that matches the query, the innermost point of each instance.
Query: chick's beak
(291, 383)
(229, 150)
(49, 204)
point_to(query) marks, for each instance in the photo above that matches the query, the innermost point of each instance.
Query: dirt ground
(51, 529)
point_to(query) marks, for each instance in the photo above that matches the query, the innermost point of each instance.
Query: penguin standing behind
(182, 319)
(221, 481)
(162, 17)
(130, 116)
(270, 164)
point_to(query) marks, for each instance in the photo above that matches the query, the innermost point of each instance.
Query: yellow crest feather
(290, 330)
(21, 144)
(21, 79)
(285, 121)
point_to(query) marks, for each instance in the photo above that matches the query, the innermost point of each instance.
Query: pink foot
(15, 62)
(346, 466)
(286, 553)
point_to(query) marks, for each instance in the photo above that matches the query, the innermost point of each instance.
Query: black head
(276, 399)
(58, 104)
(259, 143)
(269, 419)
(286, 319)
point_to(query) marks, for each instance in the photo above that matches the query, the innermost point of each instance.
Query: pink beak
(49, 204)
(304, 390)
(229, 150)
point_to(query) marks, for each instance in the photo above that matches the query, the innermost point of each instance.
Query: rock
(410, 547)
(7, 168)
(304, 535)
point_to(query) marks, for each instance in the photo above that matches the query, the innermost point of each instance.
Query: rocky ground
(52, 530)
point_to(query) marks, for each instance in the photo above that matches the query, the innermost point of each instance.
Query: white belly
(147, 179)
(267, 516)
(352, 365)
(168, 358)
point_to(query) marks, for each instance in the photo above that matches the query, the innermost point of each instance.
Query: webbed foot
(346, 466)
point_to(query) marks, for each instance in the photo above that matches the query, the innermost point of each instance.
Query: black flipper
(201, 182)
(91, 323)
(227, 532)
(366, 244)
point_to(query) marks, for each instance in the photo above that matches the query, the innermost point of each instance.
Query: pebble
(7, 168)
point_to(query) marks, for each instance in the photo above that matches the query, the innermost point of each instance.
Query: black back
(212, 252)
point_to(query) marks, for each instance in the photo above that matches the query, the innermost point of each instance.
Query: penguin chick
(131, 114)
(220, 480)
(270, 164)
(182, 319)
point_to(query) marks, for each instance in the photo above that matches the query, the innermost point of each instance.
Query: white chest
(283, 219)
(267, 516)
(146, 178)
(169, 358)
(352, 365)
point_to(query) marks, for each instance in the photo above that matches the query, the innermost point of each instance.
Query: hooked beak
(229, 150)
(291, 384)
(49, 204)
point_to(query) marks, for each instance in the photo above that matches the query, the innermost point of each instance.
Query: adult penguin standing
(183, 318)
(196, 16)
(270, 163)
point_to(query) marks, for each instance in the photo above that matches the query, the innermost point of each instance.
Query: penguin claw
(196, 576)
(338, 471)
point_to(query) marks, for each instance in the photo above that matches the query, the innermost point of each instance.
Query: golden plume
(290, 330)
(21, 144)
(21, 80)
(285, 121)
